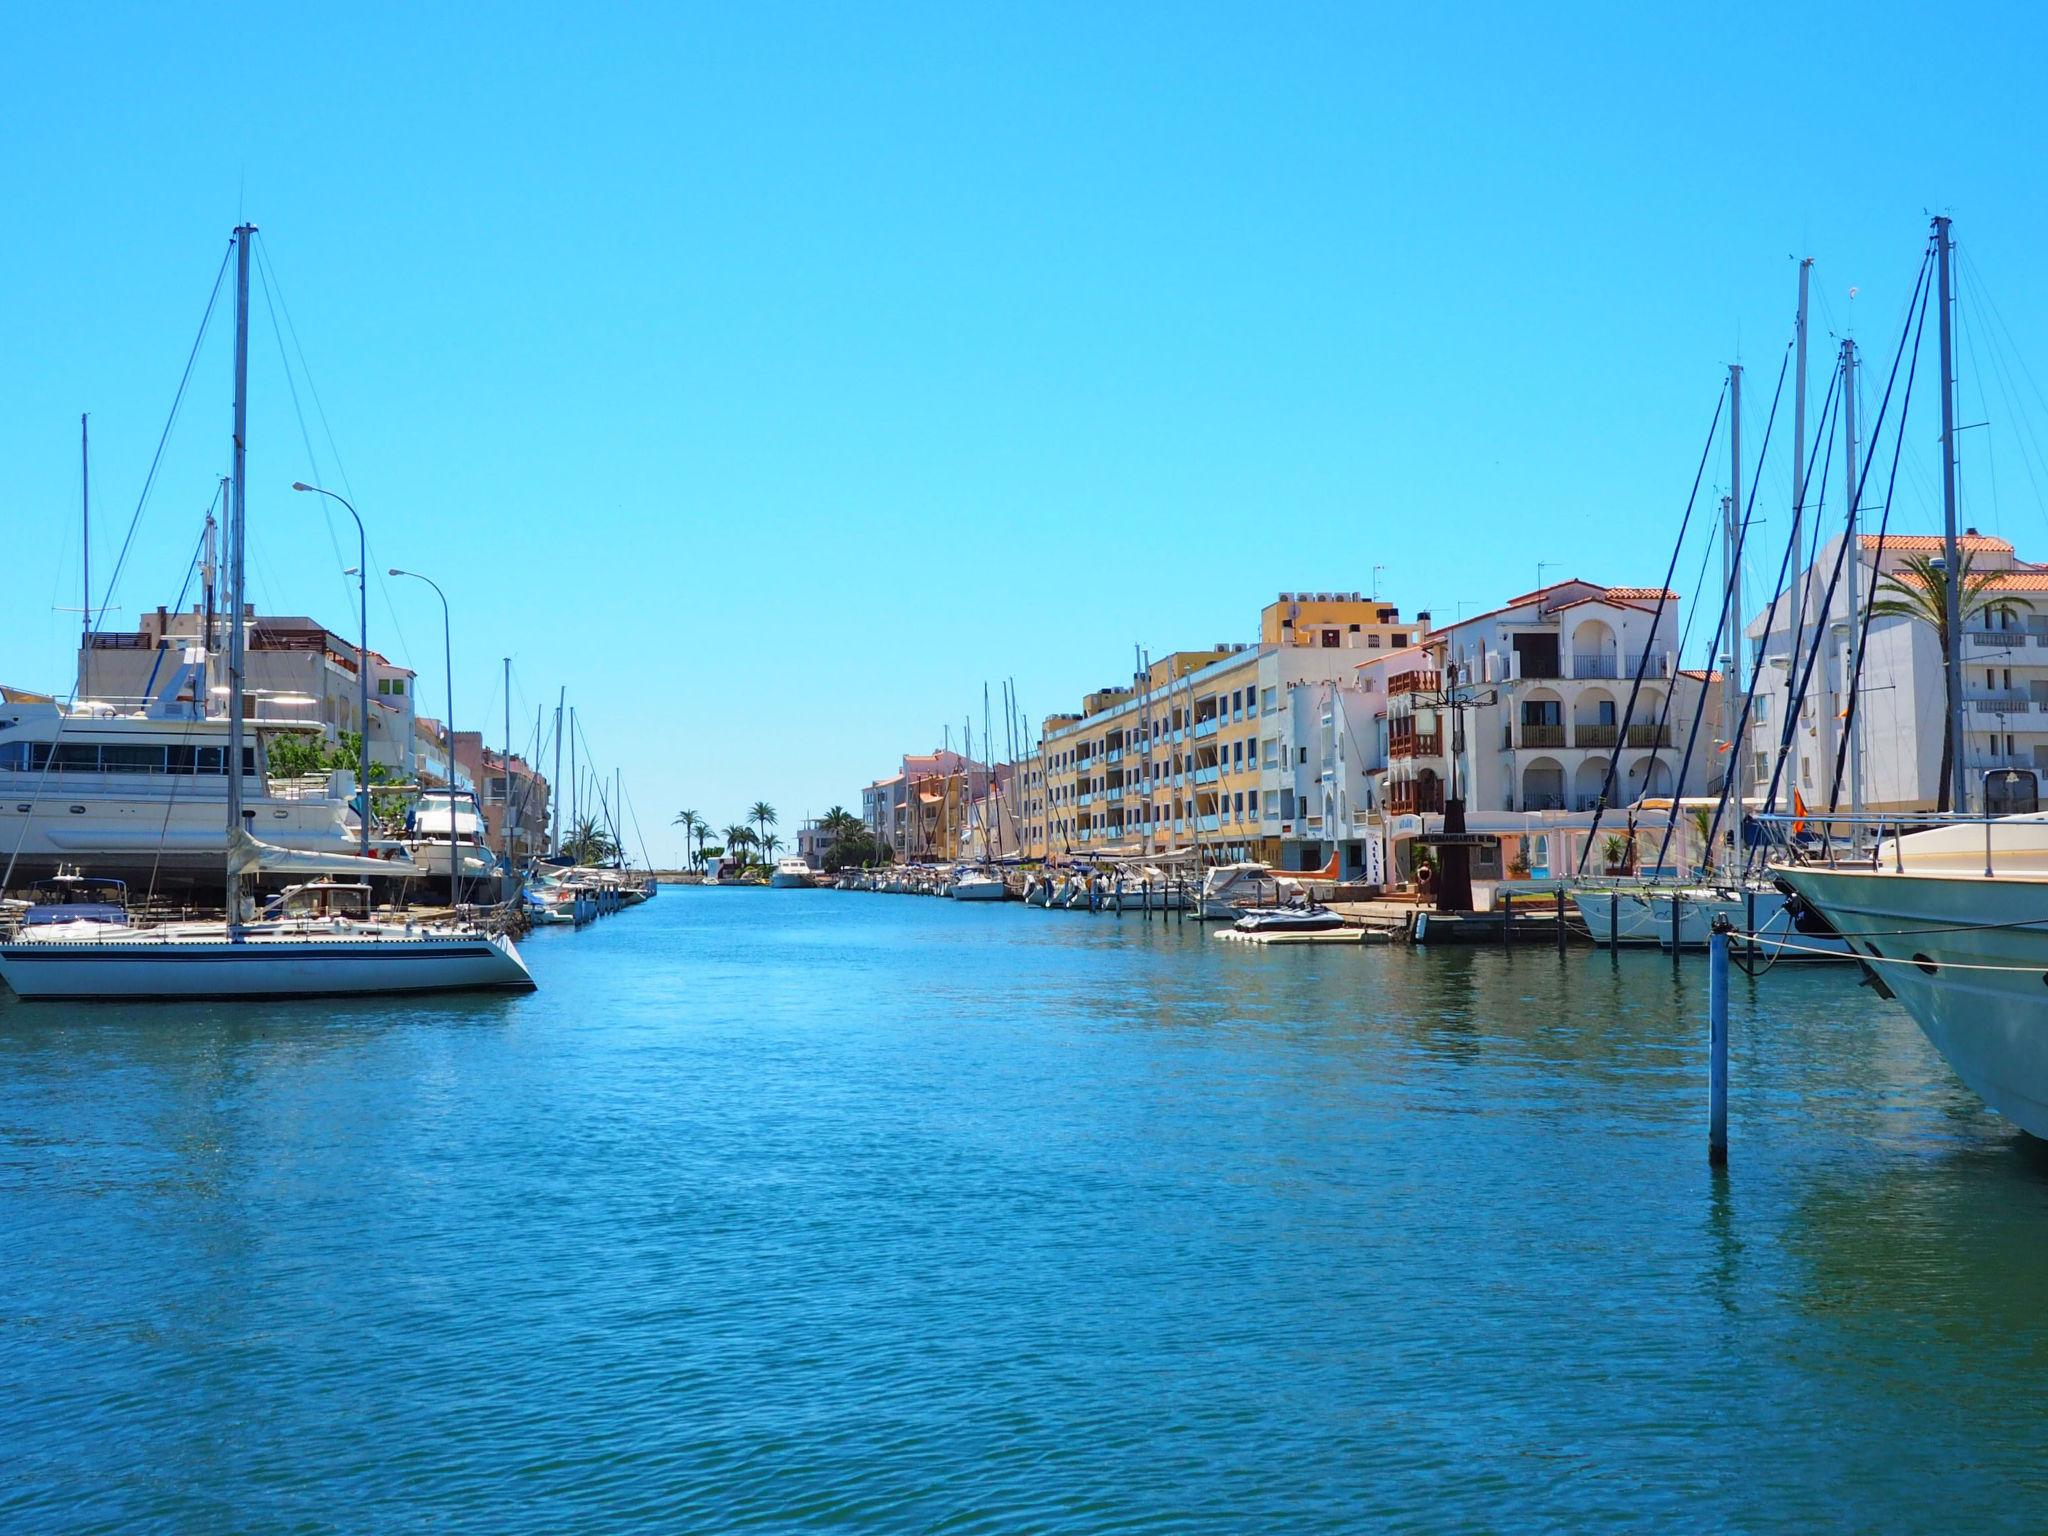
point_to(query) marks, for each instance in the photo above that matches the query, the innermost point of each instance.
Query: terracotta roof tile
(1931, 543)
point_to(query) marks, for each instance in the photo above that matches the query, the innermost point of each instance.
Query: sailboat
(1953, 921)
(327, 953)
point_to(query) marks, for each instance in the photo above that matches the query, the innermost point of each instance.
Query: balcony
(1422, 681)
(1649, 735)
(1207, 727)
(1114, 755)
(1542, 736)
(1208, 823)
(1993, 639)
(1416, 744)
(1206, 775)
(1595, 735)
(2001, 704)
(1408, 797)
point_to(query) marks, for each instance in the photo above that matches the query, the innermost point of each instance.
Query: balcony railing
(1207, 727)
(1995, 639)
(2001, 704)
(1649, 735)
(1416, 744)
(1407, 797)
(1206, 775)
(1595, 735)
(1542, 735)
(1420, 681)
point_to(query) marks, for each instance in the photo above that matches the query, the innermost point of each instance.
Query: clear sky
(773, 376)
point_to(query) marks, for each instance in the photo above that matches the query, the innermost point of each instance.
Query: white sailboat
(297, 953)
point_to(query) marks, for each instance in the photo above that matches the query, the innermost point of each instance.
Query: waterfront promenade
(806, 1210)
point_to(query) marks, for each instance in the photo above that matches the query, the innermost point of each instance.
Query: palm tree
(1919, 590)
(839, 821)
(738, 839)
(771, 845)
(590, 843)
(694, 826)
(762, 815)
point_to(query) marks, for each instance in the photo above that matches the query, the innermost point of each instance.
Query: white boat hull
(169, 964)
(1645, 918)
(1990, 1025)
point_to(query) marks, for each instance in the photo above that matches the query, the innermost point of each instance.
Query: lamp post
(448, 665)
(362, 574)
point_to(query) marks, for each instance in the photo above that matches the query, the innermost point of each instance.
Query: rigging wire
(1656, 617)
(1849, 721)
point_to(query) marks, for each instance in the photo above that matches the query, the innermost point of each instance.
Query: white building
(1547, 681)
(1901, 711)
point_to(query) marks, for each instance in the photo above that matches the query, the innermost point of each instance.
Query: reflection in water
(881, 1212)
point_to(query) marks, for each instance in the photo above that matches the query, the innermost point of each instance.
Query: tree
(762, 815)
(1919, 591)
(839, 821)
(853, 850)
(739, 837)
(694, 826)
(589, 843)
(770, 846)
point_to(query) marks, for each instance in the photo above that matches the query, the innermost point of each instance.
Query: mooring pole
(1717, 1044)
(1614, 920)
(1507, 918)
(1560, 921)
(1677, 904)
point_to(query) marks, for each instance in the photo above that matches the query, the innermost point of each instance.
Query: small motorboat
(791, 874)
(1300, 917)
(978, 887)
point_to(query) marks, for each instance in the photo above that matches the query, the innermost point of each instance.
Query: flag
(1798, 813)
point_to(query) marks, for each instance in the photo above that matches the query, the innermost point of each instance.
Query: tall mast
(575, 785)
(85, 519)
(1950, 550)
(1731, 600)
(238, 510)
(1799, 575)
(1145, 711)
(1855, 585)
(556, 792)
(505, 799)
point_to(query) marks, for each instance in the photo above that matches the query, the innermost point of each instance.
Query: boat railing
(1876, 842)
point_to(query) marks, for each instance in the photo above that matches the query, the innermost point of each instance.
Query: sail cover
(249, 856)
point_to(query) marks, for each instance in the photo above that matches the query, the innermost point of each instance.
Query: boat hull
(260, 966)
(1990, 1024)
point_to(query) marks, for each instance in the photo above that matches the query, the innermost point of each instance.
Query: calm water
(820, 1209)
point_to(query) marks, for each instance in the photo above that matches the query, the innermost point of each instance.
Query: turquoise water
(811, 1209)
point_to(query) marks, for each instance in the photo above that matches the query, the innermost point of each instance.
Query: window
(74, 757)
(1252, 800)
(1271, 703)
(1304, 754)
(1236, 755)
(1331, 639)
(391, 687)
(1372, 642)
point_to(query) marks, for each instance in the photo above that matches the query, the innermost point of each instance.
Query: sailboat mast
(505, 799)
(1731, 600)
(1950, 549)
(558, 791)
(85, 520)
(1799, 576)
(237, 524)
(575, 786)
(1850, 663)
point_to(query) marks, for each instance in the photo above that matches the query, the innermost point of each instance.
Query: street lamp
(362, 575)
(448, 666)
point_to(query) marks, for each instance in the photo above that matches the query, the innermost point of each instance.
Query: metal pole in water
(1560, 921)
(1677, 902)
(1717, 1045)
(1614, 921)
(1507, 918)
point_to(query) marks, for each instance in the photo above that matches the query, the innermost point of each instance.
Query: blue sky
(773, 376)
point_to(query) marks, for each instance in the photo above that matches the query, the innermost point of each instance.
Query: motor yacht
(791, 874)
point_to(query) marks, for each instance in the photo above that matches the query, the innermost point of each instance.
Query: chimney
(1422, 617)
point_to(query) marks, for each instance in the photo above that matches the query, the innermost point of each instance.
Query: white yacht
(141, 796)
(1954, 924)
(984, 885)
(444, 825)
(791, 874)
(1682, 917)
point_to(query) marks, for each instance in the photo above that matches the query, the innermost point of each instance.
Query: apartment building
(1520, 711)
(921, 812)
(1205, 747)
(1901, 712)
(296, 669)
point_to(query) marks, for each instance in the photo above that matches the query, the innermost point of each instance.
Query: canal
(879, 1212)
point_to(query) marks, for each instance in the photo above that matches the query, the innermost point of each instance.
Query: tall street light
(448, 665)
(362, 575)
